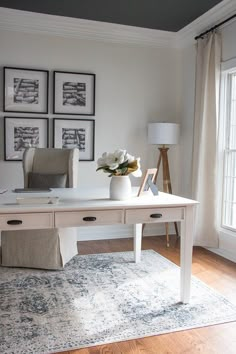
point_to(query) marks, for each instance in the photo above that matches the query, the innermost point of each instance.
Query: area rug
(99, 299)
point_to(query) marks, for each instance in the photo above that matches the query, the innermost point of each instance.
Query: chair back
(52, 161)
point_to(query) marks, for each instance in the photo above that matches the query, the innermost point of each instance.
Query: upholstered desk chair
(45, 248)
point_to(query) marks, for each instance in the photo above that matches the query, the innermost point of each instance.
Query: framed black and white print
(74, 93)
(25, 90)
(71, 133)
(21, 133)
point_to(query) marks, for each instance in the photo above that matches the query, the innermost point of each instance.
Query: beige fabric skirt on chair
(45, 248)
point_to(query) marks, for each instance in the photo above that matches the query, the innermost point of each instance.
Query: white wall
(134, 85)
(186, 120)
(228, 41)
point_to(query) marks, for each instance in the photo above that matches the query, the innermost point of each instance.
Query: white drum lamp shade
(163, 133)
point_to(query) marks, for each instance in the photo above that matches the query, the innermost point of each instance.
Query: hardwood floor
(212, 269)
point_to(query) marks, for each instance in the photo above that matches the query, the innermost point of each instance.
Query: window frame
(227, 68)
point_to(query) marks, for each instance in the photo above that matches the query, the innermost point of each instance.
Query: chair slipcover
(45, 248)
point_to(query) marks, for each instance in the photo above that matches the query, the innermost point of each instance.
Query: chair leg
(176, 230)
(177, 234)
(167, 235)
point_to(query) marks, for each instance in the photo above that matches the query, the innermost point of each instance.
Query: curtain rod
(214, 27)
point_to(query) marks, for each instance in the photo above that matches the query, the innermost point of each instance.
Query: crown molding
(209, 19)
(29, 22)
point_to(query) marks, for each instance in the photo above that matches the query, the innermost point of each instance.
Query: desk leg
(137, 242)
(186, 240)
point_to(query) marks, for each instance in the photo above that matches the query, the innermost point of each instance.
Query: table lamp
(164, 134)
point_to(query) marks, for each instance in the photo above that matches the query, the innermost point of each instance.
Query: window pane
(229, 204)
(232, 114)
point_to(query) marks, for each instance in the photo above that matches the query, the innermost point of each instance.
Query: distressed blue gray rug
(100, 299)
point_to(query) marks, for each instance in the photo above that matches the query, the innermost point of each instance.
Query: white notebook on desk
(37, 200)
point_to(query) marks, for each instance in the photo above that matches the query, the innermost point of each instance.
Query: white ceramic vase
(120, 188)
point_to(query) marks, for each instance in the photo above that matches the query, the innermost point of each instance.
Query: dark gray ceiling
(167, 15)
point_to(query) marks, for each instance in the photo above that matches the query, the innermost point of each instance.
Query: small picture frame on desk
(75, 133)
(148, 182)
(25, 90)
(21, 133)
(74, 93)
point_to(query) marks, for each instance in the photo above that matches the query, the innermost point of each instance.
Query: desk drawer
(89, 218)
(26, 221)
(155, 215)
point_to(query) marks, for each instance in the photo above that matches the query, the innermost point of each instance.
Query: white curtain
(204, 163)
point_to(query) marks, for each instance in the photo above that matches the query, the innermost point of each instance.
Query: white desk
(78, 207)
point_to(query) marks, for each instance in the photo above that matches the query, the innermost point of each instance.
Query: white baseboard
(109, 232)
(104, 232)
(223, 253)
(227, 245)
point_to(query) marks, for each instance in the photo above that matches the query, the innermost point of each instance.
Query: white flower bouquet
(119, 163)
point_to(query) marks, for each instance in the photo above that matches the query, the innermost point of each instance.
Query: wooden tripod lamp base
(163, 158)
(164, 134)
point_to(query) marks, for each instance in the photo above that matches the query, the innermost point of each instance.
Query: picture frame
(25, 90)
(148, 182)
(70, 133)
(22, 132)
(74, 93)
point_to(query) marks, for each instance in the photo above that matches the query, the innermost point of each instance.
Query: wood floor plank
(212, 269)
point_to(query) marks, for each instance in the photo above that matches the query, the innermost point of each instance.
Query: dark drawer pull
(156, 216)
(14, 222)
(89, 218)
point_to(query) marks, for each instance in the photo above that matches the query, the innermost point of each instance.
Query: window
(228, 128)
